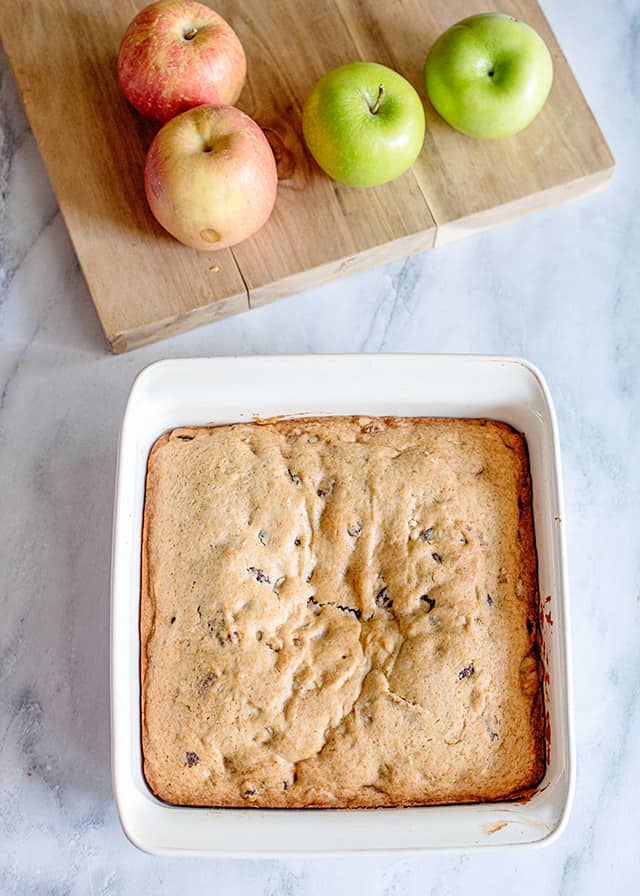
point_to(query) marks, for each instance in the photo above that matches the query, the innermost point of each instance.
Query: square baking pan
(200, 391)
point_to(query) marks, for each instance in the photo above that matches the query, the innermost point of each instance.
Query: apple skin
(352, 144)
(162, 72)
(210, 177)
(489, 75)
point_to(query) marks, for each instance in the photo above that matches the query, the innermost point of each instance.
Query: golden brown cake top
(340, 612)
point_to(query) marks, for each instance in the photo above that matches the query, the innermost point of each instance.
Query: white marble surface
(561, 288)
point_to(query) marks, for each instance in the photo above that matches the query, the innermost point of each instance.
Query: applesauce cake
(340, 612)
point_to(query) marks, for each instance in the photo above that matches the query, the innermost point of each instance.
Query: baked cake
(340, 612)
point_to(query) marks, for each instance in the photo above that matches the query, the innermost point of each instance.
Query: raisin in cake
(340, 612)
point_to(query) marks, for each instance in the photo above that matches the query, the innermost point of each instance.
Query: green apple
(489, 75)
(363, 124)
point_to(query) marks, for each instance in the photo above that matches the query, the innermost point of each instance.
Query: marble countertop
(560, 288)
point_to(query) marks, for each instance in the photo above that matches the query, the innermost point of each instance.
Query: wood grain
(145, 285)
(319, 228)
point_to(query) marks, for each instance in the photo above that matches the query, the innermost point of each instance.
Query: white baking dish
(223, 390)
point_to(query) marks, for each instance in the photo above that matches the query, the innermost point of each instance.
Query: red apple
(177, 54)
(210, 177)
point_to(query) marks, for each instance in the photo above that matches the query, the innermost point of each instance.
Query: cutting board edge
(145, 334)
(338, 268)
(580, 188)
(303, 281)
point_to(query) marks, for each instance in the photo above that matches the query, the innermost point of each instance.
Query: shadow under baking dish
(224, 390)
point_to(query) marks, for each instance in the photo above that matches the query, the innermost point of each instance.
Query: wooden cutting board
(146, 286)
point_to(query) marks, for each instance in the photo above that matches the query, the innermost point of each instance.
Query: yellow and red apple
(210, 177)
(177, 54)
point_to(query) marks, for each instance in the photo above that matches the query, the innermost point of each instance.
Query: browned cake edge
(147, 612)
(530, 568)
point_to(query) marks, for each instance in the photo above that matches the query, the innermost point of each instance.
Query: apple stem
(376, 105)
(190, 34)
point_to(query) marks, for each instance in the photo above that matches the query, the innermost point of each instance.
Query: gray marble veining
(560, 288)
